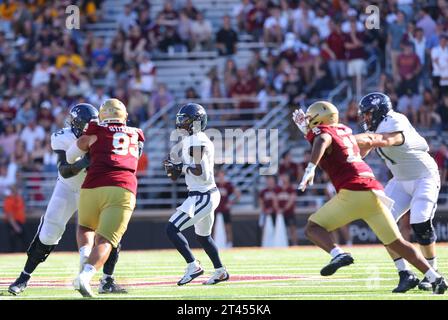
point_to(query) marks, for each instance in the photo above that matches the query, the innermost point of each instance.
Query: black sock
(109, 266)
(30, 265)
(25, 276)
(211, 249)
(180, 242)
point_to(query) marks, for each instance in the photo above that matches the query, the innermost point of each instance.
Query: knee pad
(38, 251)
(424, 232)
(51, 233)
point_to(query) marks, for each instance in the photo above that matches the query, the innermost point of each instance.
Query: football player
(196, 162)
(107, 197)
(64, 203)
(416, 182)
(359, 194)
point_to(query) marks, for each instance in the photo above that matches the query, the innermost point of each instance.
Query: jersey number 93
(123, 144)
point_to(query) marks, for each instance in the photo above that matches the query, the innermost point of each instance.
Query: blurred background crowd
(308, 47)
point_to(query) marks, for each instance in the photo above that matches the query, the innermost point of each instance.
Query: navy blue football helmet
(192, 118)
(378, 105)
(79, 116)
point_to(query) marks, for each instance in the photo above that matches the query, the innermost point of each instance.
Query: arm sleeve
(67, 170)
(73, 153)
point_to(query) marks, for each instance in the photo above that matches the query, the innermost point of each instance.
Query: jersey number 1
(123, 144)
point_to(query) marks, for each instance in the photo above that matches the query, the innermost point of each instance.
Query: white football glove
(300, 120)
(308, 176)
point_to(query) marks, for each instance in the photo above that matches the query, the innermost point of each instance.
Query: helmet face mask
(80, 115)
(192, 118)
(183, 122)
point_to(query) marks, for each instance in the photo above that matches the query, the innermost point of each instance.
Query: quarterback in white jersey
(64, 203)
(416, 182)
(198, 210)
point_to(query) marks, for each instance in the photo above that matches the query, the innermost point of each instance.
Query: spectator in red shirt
(229, 196)
(169, 16)
(245, 87)
(256, 18)
(289, 167)
(7, 113)
(286, 195)
(408, 65)
(334, 51)
(45, 117)
(356, 56)
(268, 203)
(441, 158)
(14, 210)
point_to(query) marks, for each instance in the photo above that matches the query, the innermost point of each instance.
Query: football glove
(173, 170)
(308, 176)
(300, 120)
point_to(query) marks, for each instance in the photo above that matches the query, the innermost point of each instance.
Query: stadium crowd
(309, 48)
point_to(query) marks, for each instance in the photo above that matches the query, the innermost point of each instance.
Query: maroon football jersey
(283, 195)
(225, 189)
(267, 198)
(343, 163)
(114, 156)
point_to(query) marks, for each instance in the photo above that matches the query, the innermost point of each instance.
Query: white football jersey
(410, 160)
(62, 140)
(206, 180)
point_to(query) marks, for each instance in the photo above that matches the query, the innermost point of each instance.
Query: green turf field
(255, 274)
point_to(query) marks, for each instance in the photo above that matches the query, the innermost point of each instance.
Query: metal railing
(222, 115)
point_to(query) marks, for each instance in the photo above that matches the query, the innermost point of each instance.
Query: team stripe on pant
(38, 231)
(204, 204)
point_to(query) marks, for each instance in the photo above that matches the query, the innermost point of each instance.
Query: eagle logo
(376, 101)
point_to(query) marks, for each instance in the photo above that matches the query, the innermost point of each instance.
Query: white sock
(336, 251)
(84, 253)
(432, 262)
(88, 272)
(401, 264)
(193, 264)
(432, 275)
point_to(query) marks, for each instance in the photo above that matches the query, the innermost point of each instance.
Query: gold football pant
(107, 210)
(349, 205)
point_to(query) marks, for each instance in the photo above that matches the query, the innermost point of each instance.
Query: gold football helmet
(322, 112)
(113, 110)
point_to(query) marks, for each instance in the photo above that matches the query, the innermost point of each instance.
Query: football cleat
(191, 272)
(109, 285)
(219, 275)
(408, 281)
(425, 285)
(83, 286)
(19, 285)
(341, 260)
(439, 286)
